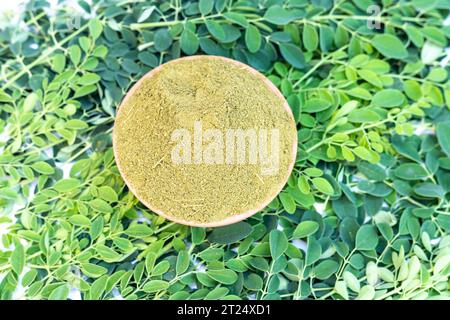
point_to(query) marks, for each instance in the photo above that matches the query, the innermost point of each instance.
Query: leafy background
(364, 215)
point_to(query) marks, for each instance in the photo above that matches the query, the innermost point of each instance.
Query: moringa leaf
(292, 54)
(388, 98)
(371, 110)
(278, 243)
(410, 171)
(390, 46)
(252, 38)
(230, 234)
(443, 135)
(305, 229)
(366, 238)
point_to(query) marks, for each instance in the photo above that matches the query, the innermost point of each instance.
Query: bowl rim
(234, 218)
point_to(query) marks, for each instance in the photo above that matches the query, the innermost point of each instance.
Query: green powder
(211, 93)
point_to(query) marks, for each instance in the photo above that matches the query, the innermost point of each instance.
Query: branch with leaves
(364, 215)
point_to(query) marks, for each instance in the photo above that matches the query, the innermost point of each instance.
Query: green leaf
(66, 185)
(313, 251)
(100, 51)
(253, 282)
(224, 276)
(437, 74)
(84, 91)
(441, 263)
(85, 43)
(146, 13)
(316, 105)
(231, 233)
(346, 108)
(198, 235)
(80, 220)
(326, 269)
(404, 146)
(4, 97)
(236, 18)
(413, 89)
(435, 35)
(138, 230)
(108, 194)
(305, 229)
(344, 208)
(310, 37)
(414, 35)
(98, 288)
(347, 154)
(410, 171)
(443, 136)
(424, 4)
(323, 185)
(278, 243)
(215, 29)
(326, 38)
(74, 54)
(29, 277)
(161, 268)
(366, 293)
(252, 38)
(88, 79)
(182, 262)
(43, 167)
(163, 40)
(371, 109)
(303, 185)
(217, 293)
(189, 42)
(372, 171)
(366, 238)
(30, 102)
(371, 273)
(95, 28)
(18, 258)
(371, 77)
(205, 6)
(341, 36)
(390, 46)
(148, 58)
(288, 202)
(292, 54)
(93, 270)
(351, 281)
(76, 124)
(97, 227)
(363, 116)
(59, 293)
(108, 254)
(150, 260)
(341, 289)
(155, 286)
(366, 154)
(388, 98)
(359, 92)
(278, 15)
(429, 190)
(101, 206)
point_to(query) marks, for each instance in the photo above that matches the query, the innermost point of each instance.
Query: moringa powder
(204, 139)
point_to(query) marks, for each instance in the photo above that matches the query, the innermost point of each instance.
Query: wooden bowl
(234, 218)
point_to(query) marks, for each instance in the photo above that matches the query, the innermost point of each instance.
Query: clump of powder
(163, 117)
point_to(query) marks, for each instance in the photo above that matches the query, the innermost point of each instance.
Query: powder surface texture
(217, 94)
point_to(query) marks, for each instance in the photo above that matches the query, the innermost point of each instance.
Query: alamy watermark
(228, 147)
(73, 22)
(374, 22)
